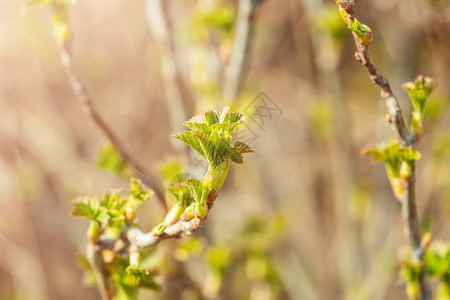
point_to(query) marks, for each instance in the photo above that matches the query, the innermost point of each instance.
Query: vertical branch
(178, 97)
(105, 285)
(407, 200)
(234, 72)
(64, 37)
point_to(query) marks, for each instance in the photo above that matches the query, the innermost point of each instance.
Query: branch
(105, 285)
(178, 97)
(139, 239)
(363, 37)
(241, 45)
(86, 103)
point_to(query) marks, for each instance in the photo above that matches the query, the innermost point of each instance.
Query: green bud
(94, 232)
(416, 123)
(405, 171)
(188, 213)
(174, 214)
(130, 213)
(362, 31)
(398, 187)
(201, 209)
(159, 229)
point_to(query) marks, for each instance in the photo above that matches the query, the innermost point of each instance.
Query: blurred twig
(241, 45)
(178, 97)
(86, 103)
(407, 199)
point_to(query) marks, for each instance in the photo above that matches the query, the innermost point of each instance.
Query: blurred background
(305, 217)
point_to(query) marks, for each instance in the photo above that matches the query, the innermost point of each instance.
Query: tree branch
(148, 176)
(241, 46)
(407, 199)
(144, 240)
(178, 98)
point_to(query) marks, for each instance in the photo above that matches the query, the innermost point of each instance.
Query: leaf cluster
(210, 136)
(113, 211)
(418, 92)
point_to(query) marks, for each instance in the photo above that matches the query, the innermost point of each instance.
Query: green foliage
(111, 217)
(437, 261)
(419, 91)
(109, 159)
(219, 17)
(89, 207)
(210, 136)
(398, 161)
(362, 31)
(198, 189)
(410, 272)
(128, 279)
(112, 211)
(387, 153)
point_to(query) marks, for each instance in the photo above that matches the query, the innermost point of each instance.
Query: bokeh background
(306, 217)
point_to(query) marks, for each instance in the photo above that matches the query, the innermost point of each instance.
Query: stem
(407, 200)
(179, 101)
(140, 239)
(149, 177)
(105, 285)
(241, 46)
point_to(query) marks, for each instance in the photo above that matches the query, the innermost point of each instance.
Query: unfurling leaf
(198, 189)
(238, 149)
(210, 136)
(89, 207)
(141, 277)
(109, 159)
(419, 91)
(138, 194)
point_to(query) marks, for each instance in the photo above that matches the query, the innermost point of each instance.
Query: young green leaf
(387, 153)
(110, 159)
(215, 147)
(192, 140)
(419, 91)
(362, 31)
(142, 278)
(138, 194)
(238, 149)
(89, 207)
(198, 189)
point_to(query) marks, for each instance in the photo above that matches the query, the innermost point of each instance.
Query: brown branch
(89, 109)
(241, 48)
(102, 275)
(407, 200)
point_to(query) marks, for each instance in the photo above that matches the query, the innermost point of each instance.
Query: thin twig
(179, 101)
(105, 285)
(241, 45)
(407, 200)
(89, 109)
